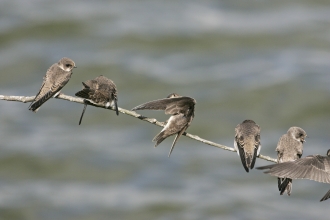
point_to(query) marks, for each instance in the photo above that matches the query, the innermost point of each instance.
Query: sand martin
(313, 167)
(100, 90)
(57, 76)
(182, 110)
(289, 148)
(247, 143)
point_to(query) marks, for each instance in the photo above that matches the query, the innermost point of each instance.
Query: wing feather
(311, 167)
(171, 106)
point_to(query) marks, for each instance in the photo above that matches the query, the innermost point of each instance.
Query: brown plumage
(57, 76)
(100, 90)
(247, 143)
(312, 167)
(182, 110)
(289, 148)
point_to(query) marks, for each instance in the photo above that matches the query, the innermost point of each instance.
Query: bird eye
(68, 65)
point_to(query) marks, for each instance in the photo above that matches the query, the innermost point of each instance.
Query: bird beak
(305, 137)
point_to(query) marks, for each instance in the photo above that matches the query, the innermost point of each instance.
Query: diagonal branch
(130, 113)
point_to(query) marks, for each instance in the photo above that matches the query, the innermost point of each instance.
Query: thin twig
(130, 113)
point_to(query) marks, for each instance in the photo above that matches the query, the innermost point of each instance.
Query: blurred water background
(263, 60)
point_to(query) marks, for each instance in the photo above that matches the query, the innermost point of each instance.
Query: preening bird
(182, 110)
(100, 90)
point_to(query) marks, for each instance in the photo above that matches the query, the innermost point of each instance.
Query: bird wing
(58, 82)
(313, 167)
(326, 196)
(89, 84)
(239, 144)
(41, 88)
(50, 86)
(93, 95)
(171, 106)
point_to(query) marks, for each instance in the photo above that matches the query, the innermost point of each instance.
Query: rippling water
(264, 60)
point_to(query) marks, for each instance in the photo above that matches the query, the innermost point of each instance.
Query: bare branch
(130, 113)
(17, 98)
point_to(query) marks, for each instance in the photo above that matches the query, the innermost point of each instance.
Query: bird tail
(82, 114)
(175, 140)
(244, 157)
(36, 104)
(159, 138)
(285, 184)
(116, 106)
(254, 158)
(248, 159)
(326, 196)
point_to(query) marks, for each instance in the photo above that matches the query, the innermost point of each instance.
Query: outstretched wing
(326, 196)
(313, 167)
(171, 106)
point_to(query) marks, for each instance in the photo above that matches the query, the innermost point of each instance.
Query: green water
(261, 60)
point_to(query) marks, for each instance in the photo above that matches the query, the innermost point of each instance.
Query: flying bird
(182, 110)
(289, 148)
(57, 76)
(100, 90)
(312, 167)
(247, 143)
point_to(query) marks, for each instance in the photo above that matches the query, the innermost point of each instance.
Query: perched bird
(100, 90)
(289, 148)
(312, 167)
(182, 110)
(247, 143)
(57, 76)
